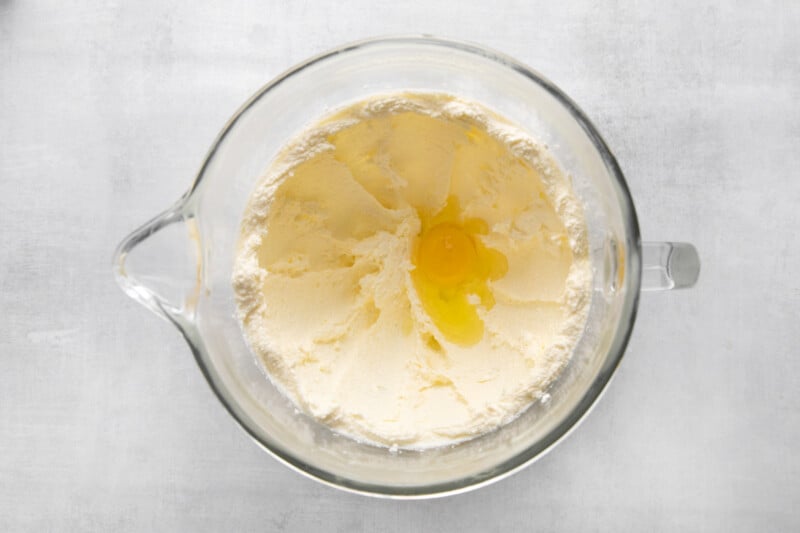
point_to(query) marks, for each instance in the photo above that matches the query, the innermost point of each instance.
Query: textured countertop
(106, 112)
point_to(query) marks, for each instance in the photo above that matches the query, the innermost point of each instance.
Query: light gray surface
(106, 112)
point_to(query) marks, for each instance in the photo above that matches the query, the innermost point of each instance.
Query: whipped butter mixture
(413, 270)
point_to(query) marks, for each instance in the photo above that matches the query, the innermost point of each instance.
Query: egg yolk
(447, 254)
(452, 271)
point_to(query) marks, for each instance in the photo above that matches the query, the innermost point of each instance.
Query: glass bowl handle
(669, 265)
(159, 264)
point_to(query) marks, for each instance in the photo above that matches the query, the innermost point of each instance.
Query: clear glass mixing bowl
(179, 264)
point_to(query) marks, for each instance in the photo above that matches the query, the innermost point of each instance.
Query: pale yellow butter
(336, 303)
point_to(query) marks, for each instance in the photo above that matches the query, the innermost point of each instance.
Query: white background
(106, 112)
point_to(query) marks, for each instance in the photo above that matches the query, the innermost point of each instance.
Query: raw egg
(453, 268)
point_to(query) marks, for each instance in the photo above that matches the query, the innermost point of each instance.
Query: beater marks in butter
(413, 270)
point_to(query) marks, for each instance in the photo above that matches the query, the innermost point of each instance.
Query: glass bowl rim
(536, 450)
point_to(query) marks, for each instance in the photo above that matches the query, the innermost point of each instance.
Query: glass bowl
(179, 263)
